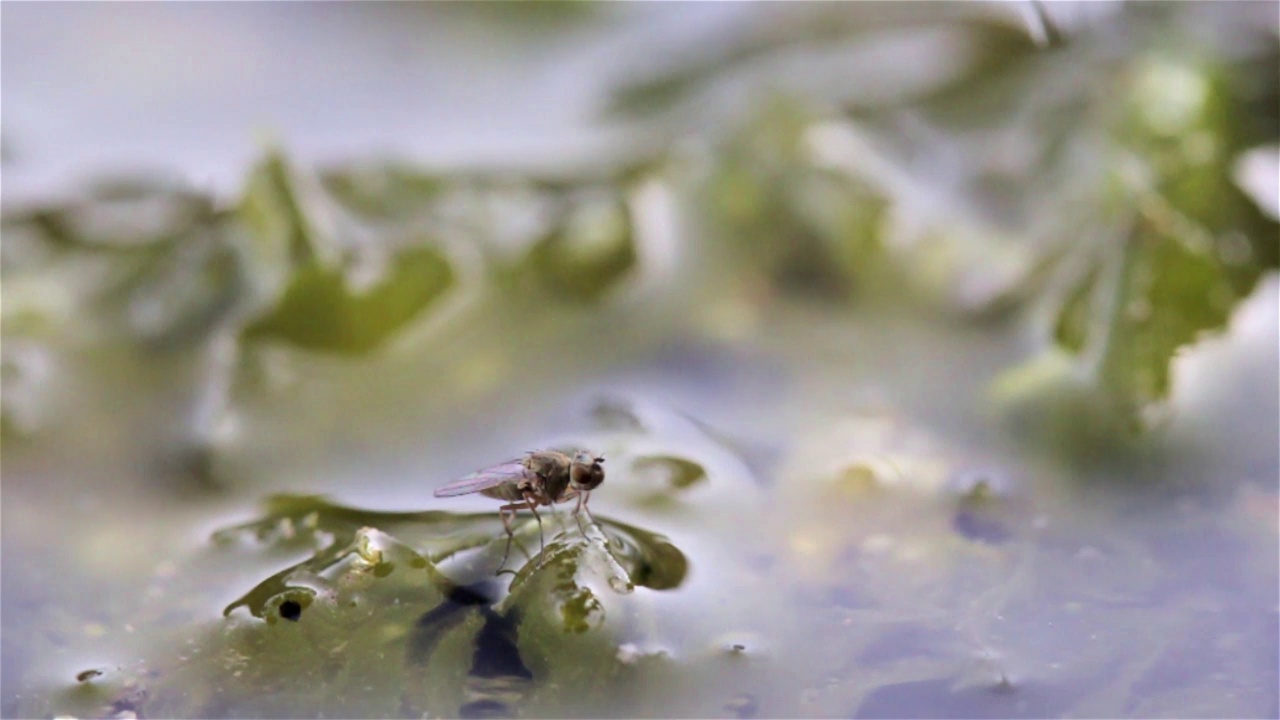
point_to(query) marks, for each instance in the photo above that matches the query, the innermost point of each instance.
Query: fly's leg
(513, 508)
(583, 499)
(506, 524)
(531, 502)
(582, 502)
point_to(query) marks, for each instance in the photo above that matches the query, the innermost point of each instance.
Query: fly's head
(587, 471)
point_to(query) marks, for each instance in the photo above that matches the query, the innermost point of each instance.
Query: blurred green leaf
(1173, 289)
(282, 234)
(321, 311)
(124, 213)
(806, 229)
(1188, 247)
(1189, 121)
(764, 50)
(390, 192)
(589, 248)
(299, 248)
(183, 292)
(1119, 333)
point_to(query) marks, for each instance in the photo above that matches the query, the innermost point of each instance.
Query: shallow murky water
(817, 518)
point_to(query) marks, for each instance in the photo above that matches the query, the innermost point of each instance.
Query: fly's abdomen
(508, 491)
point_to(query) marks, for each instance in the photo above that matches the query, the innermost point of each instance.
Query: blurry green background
(933, 349)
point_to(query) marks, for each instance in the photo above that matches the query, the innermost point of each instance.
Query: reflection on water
(498, 675)
(883, 568)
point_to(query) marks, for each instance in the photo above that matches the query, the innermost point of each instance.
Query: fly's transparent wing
(510, 471)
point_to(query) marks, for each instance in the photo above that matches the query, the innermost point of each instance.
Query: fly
(540, 478)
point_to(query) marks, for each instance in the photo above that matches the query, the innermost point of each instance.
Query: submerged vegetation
(885, 370)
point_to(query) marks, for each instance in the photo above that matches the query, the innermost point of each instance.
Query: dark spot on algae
(288, 604)
(291, 610)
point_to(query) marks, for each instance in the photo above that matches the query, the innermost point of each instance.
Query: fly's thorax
(552, 471)
(548, 463)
